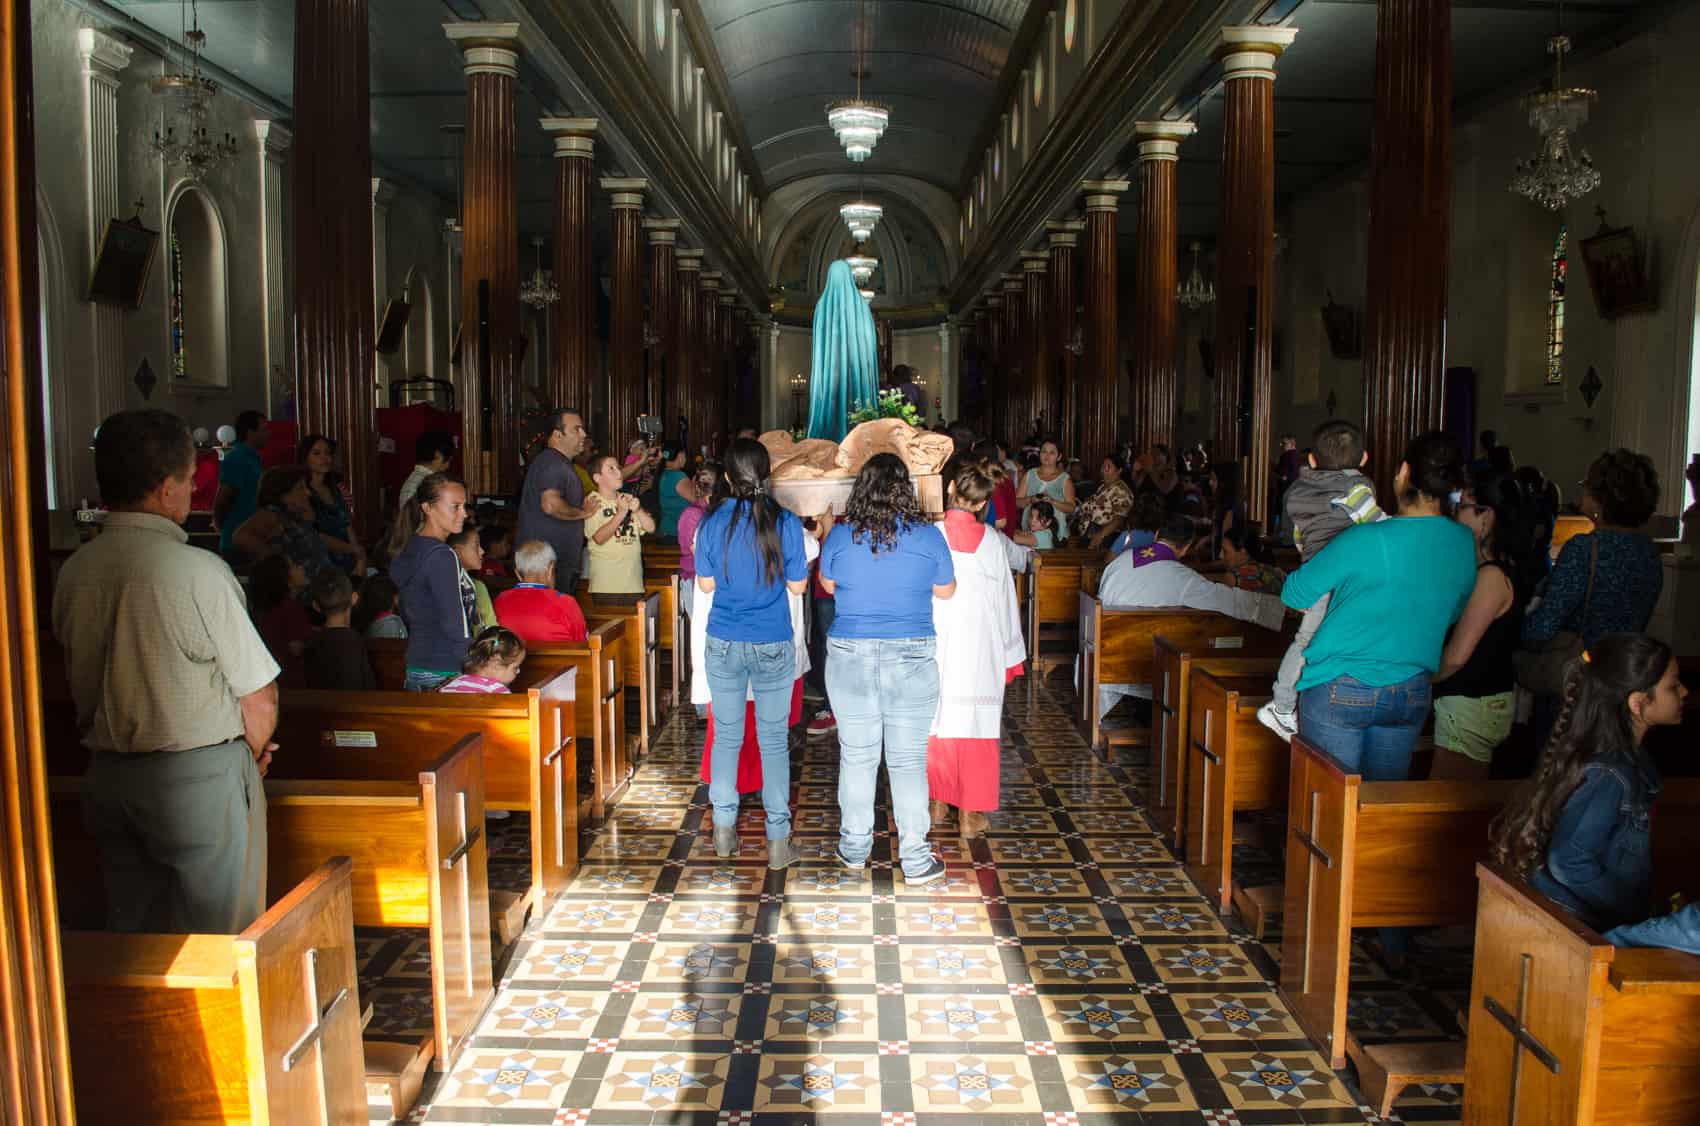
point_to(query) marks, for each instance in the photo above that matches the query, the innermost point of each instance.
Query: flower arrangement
(887, 404)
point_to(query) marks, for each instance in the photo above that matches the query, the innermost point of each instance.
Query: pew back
(605, 765)
(1233, 763)
(1052, 599)
(259, 1027)
(640, 658)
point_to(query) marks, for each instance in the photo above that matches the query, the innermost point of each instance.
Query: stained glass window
(1555, 307)
(179, 344)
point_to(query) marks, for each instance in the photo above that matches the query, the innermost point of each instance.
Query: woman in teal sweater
(1395, 589)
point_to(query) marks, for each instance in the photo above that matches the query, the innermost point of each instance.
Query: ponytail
(411, 517)
(744, 483)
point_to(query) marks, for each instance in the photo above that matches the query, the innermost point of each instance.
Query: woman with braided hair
(1579, 830)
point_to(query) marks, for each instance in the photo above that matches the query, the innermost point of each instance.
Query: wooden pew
(1369, 854)
(1052, 600)
(641, 666)
(673, 632)
(1174, 663)
(1117, 647)
(530, 763)
(1566, 1029)
(259, 1027)
(1233, 762)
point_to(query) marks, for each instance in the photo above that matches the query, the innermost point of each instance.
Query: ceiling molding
(705, 53)
(1020, 54)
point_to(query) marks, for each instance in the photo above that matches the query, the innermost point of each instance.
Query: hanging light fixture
(867, 295)
(540, 291)
(1196, 293)
(188, 96)
(862, 268)
(859, 123)
(1555, 175)
(862, 217)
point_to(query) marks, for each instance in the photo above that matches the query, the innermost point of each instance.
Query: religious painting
(1617, 273)
(1345, 330)
(121, 268)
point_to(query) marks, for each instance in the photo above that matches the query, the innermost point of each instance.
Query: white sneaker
(1284, 724)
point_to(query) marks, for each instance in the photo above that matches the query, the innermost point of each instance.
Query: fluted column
(274, 142)
(1245, 253)
(383, 195)
(948, 393)
(708, 360)
(997, 390)
(490, 329)
(1154, 300)
(729, 413)
(1100, 381)
(1017, 391)
(663, 315)
(574, 315)
(625, 327)
(1035, 317)
(688, 378)
(103, 59)
(1062, 237)
(333, 241)
(1410, 191)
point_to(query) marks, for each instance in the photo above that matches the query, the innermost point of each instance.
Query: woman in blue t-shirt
(884, 564)
(749, 556)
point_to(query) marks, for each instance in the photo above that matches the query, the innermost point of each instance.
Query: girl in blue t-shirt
(884, 564)
(749, 557)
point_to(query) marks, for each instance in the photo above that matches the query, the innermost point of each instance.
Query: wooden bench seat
(640, 664)
(1566, 1029)
(1174, 663)
(260, 1027)
(1056, 580)
(530, 762)
(1233, 763)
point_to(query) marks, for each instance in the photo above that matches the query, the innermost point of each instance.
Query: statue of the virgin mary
(846, 356)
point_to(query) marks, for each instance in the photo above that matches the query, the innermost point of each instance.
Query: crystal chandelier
(540, 291)
(862, 217)
(1555, 175)
(1196, 293)
(867, 295)
(862, 268)
(858, 122)
(189, 144)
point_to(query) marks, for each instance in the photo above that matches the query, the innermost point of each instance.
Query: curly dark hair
(883, 504)
(1627, 486)
(1594, 723)
(278, 482)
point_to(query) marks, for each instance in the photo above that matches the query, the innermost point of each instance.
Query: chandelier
(1555, 175)
(867, 295)
(858, 122)
(1196, 293)
(540, 291)
(188, 143)
(862, 268)
(862, 217)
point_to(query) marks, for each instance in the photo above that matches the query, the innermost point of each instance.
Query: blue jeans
(883, 690)
(733, 669)
(1372, 731)
(424, 680)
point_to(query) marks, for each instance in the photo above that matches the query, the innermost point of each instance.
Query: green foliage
(889, 404)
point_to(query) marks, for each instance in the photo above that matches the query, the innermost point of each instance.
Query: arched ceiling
(929, 60)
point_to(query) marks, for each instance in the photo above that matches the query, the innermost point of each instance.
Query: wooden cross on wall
(1521, 1038)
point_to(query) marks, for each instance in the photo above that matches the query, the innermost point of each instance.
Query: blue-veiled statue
(846, 356)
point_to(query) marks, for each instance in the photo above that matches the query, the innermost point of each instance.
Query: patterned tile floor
(1067, 971)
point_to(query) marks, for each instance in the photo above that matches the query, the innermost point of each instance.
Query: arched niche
(57, 449)
(418, 355)
(197, 305)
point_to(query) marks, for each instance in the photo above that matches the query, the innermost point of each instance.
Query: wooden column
(689, 343)
(1155, 312)
(490, 382)
(663, 315)
(1245, 256)
(1063, 236)
(997, 390)
(1018, 393)
(625, 329)
(1409, 196)
(574, 315)
(1035, 315)
(35, 1070)
(731, 414)
(709, 361)
(1100, 379)
(334, 334)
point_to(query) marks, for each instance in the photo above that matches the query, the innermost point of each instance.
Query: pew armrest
(150, 961)
(1652, 970)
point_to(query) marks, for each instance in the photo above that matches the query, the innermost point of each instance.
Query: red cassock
(749, 754)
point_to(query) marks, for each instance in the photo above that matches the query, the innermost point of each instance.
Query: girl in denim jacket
(1580, 830)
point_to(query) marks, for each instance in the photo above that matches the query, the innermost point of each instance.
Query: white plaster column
(950, 368)
(383, 194)
(273, 144)
(775, 400)
(102, 58)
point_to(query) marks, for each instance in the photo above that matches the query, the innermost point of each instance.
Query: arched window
(1555, 306)
(196, 292)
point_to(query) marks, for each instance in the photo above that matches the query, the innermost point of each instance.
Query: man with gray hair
(534, 609)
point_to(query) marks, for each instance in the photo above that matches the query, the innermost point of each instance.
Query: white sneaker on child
(1284, 724)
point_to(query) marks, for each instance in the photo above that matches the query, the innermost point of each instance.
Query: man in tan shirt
(176, 696)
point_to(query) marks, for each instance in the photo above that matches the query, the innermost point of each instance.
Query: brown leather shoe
(938, 811)
(973, 824)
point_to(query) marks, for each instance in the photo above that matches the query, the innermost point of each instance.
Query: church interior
(1182, 238)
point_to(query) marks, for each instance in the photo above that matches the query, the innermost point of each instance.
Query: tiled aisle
(1067, 971)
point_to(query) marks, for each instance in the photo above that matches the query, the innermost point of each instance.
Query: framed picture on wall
(121, 268)
(1617, 272)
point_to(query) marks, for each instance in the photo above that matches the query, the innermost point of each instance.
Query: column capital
(662, 232)
(1161, 140)
(274, 138)
(102, 55)
(689, 260)
(1035, 261)
(1250, 52)
(728, 299)
(486, 47)
(383, 192)
(1012, 283)
(1064, 232)
(1103, 195)
(574, 136)
(710, 280)
(994, 301)
(626, 190)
